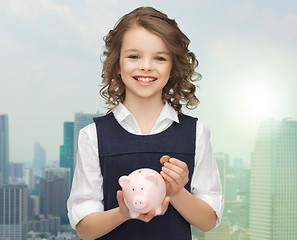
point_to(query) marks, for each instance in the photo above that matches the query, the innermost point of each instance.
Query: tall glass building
(222, 160)
(80, 121)
(4, 149)
(39, 160)
(13, 212)
(56, 192)
(273, 188)
(66, 150)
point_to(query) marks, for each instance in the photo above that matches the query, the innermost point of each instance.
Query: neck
(145, 111)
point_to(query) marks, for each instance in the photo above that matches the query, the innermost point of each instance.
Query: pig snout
(139, 202)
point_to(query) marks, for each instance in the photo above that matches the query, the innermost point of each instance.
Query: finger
(122, 205)
(175, 168)
(165, 205)
(179, 163)
(178, 166)
(148, 216)
(176, 173)
(173, 178)
(120, 196)
(166, 201)
(167, 177)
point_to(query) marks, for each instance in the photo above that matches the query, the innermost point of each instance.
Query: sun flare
(260, 101)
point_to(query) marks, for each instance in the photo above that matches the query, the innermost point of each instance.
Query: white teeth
(145, 79)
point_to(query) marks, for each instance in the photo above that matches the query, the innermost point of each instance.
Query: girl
(147, 75)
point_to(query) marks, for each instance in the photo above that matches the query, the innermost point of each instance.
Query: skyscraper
(66, 150)
(273, 191)
(16, 173)
(237, 163)
(13, 212)
(39, 160)
(29, 177)
(80, 121)
(222, 160)
(16, 170)
(4, 149)
(57, 189)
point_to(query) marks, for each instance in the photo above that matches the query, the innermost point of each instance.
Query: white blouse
(86, 195)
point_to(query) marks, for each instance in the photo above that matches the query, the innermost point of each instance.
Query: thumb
(120, 196)
(122, 205)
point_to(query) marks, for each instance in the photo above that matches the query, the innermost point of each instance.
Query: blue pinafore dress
(121, 152)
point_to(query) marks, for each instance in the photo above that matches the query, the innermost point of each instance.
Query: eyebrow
(136, 50)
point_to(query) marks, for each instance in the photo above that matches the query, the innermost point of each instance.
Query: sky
(50, 66)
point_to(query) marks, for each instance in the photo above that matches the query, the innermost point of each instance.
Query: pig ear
(152, 178)
(124, 181)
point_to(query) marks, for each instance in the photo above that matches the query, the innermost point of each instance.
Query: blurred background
(50, 73)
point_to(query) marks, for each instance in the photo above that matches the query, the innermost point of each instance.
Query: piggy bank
(144, 189)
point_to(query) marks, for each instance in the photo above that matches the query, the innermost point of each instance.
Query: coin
(164, 159)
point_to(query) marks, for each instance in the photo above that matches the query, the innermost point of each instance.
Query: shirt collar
(121, 113)
(168, 112)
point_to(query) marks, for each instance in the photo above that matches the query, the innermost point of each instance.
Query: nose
(139, 202)
(146, 65)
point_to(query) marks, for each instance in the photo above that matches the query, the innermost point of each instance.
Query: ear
(124, 181)
(151, 178)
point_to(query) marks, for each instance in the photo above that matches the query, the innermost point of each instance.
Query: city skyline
(246, 50)
(57, 161)
(259, 202)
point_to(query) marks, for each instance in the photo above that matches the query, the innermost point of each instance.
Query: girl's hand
(122, 205)
(175, 174)
(149, 216)
(143, 217)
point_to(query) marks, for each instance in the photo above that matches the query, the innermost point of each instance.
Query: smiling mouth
(145, 79)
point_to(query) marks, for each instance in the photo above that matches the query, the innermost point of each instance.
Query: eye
(132, 189)
(141, 188)
(133, 57)
(160, 59)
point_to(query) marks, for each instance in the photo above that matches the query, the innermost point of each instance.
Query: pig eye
(132, 189)
(141, 188)
(139, 171)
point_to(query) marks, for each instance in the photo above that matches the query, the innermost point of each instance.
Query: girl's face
(145, 64)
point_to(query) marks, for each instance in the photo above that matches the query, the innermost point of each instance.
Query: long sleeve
(86, 194)
(206, 183)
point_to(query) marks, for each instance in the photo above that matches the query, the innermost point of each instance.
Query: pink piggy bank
(144, 189)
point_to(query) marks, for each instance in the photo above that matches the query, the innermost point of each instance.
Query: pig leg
(134, 214)
(158, 211)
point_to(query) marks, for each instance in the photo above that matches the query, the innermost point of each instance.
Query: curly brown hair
(179, 90)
